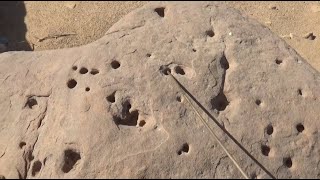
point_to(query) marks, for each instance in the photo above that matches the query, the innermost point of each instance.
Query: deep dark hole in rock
(258, 102)
(300, 92)
(111, 98)
(220, 102)
(72, 83)
(115, 64)
(165, 70)
(71, 157)
(74, 68)
(300, 127)
(224, 62)
(83, 70)
(87, 89)
(31, 102)
(184, 149)
(142, 123)
(160, 11)
(278, 61)
(179, 70)
(148, 55)
(36, 168)
(269, 129)
(210, 33)
(287, 162)
(22, 144)
(130, 119)
(265, 150)
(179, 98)
(94, 71)
(253, 176)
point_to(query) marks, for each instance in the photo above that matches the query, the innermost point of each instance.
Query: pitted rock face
(110, 110)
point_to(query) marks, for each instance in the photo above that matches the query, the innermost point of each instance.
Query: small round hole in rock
(142, 123)
(83, 70)
(115, 64)
(22, 144)
(300, 128)
(265, 150)
(160, 11)
(87, 89)
(258, 102)
(287, 162)
(179, 99)
(148, 55)
(269, 129)
(300, 92)
(72, 83)
(165, 70)
(179, 70)
(74, 68)
(194, 50)
(210, 33)
(36, 168)
(31, 102)
(94, 71)
(278, 61)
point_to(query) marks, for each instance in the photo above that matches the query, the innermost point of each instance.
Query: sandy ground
(84, 22)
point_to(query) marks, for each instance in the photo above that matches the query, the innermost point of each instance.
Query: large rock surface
(105, 110)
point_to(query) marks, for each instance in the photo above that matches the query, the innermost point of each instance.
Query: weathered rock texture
(105, 110)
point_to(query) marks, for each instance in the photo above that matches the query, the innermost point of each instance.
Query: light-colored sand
(90, 20)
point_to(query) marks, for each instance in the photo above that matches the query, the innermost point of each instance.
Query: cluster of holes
(160, 11)
(71, 157)
(265, 150)
(31, 102)
(184, 149)
(36, 168)
(166, 70)
(72, 83)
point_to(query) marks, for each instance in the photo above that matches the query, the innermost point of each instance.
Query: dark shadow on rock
(12, 26)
